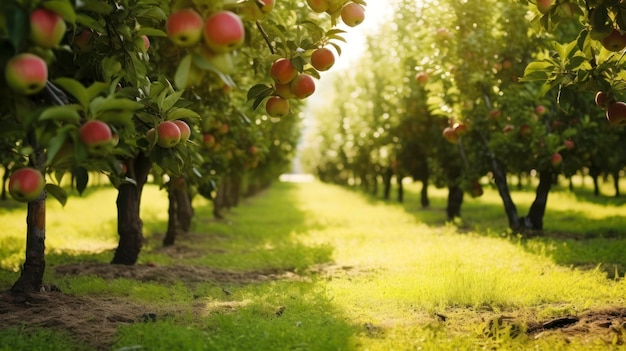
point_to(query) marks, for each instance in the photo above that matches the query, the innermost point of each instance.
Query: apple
(302, 86)
(277, 106)
(460, 128)
(82, 41)
(224, 31)
(568, 144)
(283, 71)
(602, 99)
(283, 90)
(506, 64)
(556, 159)
(544, 6)
(322, 59)
(352, 14)
(450, 135)
(224, 128)
(525, 130)
(557, 124)
(208, 140)
(253, 150)
(26, 74)
(540, 110)
(318, 6)
(254, 10)
(616, 113)
(151, 135)
(495, 114)
(184, 27)
(615, 41)
(146, 42)
(421, 77)
(168, 134)
(476, 189)
(26, 184)
(185, 131)
(97, 137)
(508, 128)
(47, 28)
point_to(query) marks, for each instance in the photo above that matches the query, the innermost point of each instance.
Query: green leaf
(95, 89)
(182, 72)
(55, 145)
(82, 178)
(151, 32)
(180, 113)
(257, 90)
(57, 192)
(120, 104)
(17, 25)
(89, 22)
(96, 6)
(538, 70)
(65, 113)
(170, 101)
(74, 88)
(63, 8)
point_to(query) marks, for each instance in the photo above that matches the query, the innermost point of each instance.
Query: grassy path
(309, 266)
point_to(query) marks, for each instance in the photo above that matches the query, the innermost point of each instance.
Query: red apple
(185, 131)
(224, 31)
(460, 128)
(283, 71)
(26, 184)
(540, 110)
(616, 113)
(303, 86)
(277, 106)
(253, 150)
(184, 27)
(508, 128)
(47, 28)
(224, 128)
(168, 134)
(495, 114)
(208, 140)
(544, 6)
(146, 42)
(568, 144)
(318, 6)
(525, 130)
(556, 159)
(602, 99)
(26, 74)
(615, 41)
(82, 41)
(450, 135)
(97, 137)
(322, 59)
(352, 14)
(421, 77)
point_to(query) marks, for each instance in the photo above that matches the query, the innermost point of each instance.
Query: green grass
(387, 268)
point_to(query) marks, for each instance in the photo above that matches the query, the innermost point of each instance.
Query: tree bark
(180, 211)
(455, 200)
(400, 187)
(31, 277)
(5, 179)
(387, 176)
(616, 182)
(534, 219)
(596, 186)
(129, 224)
(503, 189)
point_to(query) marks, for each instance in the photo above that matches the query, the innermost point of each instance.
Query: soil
(94, 321)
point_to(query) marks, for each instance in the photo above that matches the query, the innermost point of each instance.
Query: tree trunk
(425, 202)
(5, 179)
(180, 211)
(31, 277)
(400, 187)
(505, 195)
(129, 224)
(616, 182)
(387, 176)
(455, 200)
(534, 219)
(596, 186)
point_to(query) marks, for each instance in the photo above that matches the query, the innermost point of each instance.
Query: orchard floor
(95, 320)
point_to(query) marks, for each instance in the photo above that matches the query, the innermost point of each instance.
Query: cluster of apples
(352, 14)
(27, 73)
(289, 83)
(168, 134)
(615, 110)
(222, 31)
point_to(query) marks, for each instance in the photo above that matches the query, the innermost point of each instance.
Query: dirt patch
(172, 274)
(608, 325)
(90, 321)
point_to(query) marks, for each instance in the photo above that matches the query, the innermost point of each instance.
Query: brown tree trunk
(5, 178)
(387, 176)
(400, 187)
(455, 200)
(31, 277)
(129, 224)
(503, 189)
(616, 182)
(180, 211)
(534, 219)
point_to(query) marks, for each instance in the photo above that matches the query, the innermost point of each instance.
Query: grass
(363, 274)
